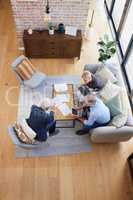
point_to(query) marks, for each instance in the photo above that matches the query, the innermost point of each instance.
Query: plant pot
(51, 31)
(30, 31)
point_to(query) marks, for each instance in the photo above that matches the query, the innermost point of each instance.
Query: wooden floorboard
(100, 174)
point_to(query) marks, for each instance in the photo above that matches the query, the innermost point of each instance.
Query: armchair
(26, 73)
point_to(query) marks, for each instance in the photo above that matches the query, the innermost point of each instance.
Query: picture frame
(71, 30)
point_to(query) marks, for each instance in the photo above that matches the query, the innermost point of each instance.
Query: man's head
(90, 99)
(87, 77)
(46, 104)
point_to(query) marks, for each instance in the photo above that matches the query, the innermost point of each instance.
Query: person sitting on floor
(92, 81)
(99, 114)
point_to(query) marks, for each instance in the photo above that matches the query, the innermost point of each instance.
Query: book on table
(60, 87)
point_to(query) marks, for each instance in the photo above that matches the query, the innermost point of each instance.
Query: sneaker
(82, 132)
(54, 133)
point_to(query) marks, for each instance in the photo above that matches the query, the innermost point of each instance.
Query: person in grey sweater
(92, 81)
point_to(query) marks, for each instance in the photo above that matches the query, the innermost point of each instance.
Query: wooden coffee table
(65, 121)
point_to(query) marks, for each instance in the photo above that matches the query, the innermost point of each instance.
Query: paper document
(60, 87)
(61, 98)
(65, 110)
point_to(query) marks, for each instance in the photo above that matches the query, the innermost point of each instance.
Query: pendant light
(47, 16)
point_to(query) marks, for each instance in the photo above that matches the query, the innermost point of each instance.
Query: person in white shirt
(98, 115)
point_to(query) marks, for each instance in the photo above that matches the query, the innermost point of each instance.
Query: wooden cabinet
(42, 45)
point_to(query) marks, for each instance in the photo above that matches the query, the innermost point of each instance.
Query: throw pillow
(114, 104)
(29, 132)
(25, 70)
(105, 74)
(109, 91)
(121, 119)
(22, 135)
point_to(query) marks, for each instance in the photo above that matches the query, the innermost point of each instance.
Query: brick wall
(69, 12)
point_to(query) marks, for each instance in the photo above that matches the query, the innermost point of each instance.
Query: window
(109, 2)
(117, 11)
(121, 20)
(127, 29)
(129, 69)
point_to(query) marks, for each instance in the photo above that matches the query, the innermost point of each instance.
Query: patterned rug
(66, 142)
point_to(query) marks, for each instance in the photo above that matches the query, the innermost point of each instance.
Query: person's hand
(80, 119)
(75, 116)
(75, 107)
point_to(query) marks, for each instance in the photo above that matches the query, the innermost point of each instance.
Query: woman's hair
(86, 72)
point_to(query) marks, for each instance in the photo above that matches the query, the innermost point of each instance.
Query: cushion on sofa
(21, 135)
(25, 69)
(30, 133)
(109, 91)
(121, 119)
(114, 104)
(105, 74)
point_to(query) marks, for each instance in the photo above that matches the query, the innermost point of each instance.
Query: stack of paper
(60, 87)
(64, 109)
(61, 98)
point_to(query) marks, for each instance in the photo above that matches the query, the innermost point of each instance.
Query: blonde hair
(46, 104)
(86, 72)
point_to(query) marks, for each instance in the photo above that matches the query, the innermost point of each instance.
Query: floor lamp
(90, 30)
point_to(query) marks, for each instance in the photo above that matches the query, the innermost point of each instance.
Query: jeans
(87, 128)
(51, 127)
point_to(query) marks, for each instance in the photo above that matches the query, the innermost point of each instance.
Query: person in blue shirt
(98, 114)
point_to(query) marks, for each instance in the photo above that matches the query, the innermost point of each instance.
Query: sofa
(109, 133)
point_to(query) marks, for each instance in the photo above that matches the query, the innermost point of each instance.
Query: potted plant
(50, 28)
(107, 48)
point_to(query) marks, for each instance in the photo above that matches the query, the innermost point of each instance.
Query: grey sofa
(111, 134)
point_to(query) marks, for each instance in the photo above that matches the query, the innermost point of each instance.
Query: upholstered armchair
(18, 143)
(26, 72)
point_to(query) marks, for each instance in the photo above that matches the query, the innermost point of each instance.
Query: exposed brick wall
(73, 12)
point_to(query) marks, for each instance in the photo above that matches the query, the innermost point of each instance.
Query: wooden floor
(99, 175)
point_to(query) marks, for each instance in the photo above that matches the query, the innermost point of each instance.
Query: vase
(51, 31)
(61, 28)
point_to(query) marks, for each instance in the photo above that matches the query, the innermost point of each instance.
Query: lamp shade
(47, 16)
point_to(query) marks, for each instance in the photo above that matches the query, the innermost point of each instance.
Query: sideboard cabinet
(42, 45)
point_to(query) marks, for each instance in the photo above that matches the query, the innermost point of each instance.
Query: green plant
(107, 48)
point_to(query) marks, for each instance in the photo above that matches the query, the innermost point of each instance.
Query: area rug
(66, 142)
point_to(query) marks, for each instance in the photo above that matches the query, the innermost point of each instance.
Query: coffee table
(65, 121)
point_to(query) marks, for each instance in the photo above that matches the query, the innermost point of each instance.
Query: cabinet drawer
(42, 45)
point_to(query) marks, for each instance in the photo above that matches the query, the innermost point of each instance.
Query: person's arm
(98, 83)
(80, 119)
(80, 107)
(92, 118)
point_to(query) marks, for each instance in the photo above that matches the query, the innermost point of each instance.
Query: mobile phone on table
(74, 111)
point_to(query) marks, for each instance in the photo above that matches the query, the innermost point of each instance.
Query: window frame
(123, 57)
